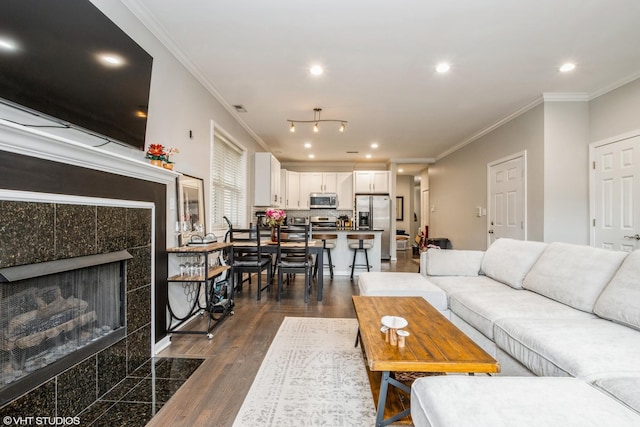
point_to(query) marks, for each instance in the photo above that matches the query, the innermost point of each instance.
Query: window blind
(228, 196)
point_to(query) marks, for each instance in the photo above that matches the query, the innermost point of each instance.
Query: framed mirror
(191, 219)
(400, 208)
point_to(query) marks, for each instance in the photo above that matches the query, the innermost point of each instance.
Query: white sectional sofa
(542, 310)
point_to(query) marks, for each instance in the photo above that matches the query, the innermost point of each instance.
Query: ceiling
(379, 60)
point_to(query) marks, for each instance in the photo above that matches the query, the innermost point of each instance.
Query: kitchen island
(342, 256)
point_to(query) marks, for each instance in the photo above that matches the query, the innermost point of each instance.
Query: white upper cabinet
(368, 182)
(344, 181)
(316, 182)
(290, 189)
(267, 180)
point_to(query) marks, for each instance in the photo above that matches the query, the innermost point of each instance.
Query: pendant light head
(316, 121)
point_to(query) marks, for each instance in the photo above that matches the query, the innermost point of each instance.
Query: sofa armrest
(450, 262)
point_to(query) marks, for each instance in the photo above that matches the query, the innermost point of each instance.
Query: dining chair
(293, 256)
(248, 256)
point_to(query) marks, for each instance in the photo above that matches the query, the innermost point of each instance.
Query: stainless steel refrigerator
(374, 211)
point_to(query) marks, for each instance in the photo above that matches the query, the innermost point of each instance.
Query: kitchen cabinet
(267, 180)
(290, 189)
(371, 182)
(316, 182)
(344, 185)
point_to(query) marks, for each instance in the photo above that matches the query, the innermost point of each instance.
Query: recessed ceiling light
(565, 68)
(307, 145)
(400, 170)
(8, 44)
(111, 59)
(443, 67)
(311, 156)
(368, 156)
(374, 145)
(316, 70)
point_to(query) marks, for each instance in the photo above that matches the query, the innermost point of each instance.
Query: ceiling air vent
(240, 108)
(352, 152)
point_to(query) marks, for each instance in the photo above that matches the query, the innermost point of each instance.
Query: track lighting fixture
(316, 120)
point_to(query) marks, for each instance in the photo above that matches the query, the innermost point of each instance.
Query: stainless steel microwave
(323, 201)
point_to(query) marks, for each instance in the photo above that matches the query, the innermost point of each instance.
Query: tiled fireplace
(65, 355)
(74, 202)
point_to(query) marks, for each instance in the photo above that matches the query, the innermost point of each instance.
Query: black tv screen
(53, 60)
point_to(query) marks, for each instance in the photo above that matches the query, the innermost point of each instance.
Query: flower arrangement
(155, 152)
(275, 217)
(170, 152)
(161, 156)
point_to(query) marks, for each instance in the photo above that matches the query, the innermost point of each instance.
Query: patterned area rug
(312, 375)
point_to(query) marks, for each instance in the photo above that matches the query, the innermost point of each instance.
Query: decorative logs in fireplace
(41, 314)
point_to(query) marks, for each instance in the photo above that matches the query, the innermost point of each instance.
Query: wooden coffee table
(434, 345)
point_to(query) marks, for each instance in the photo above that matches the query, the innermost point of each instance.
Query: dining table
(315, 248)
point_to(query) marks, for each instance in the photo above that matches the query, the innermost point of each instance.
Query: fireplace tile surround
(71, 230)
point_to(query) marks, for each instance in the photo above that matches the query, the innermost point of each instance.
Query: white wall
(458, 182)
(615, 113)
(556, 136)
(566, 172)
(178, 104)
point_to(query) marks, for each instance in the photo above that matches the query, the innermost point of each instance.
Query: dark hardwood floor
(212, 396)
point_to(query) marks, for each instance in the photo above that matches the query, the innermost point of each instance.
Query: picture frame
(191, 209)
(399, 208)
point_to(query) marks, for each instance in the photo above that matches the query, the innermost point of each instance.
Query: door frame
(523, 155)
(592, 195)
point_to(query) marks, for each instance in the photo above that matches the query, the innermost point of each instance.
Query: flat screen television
(67, 60)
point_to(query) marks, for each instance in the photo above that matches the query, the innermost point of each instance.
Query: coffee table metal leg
(382, 400)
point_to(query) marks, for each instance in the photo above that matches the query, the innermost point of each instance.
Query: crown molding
(565, 97)
(539, 100)
(152, 24)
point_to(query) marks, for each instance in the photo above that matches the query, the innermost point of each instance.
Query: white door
(616, 191)
(507, 199)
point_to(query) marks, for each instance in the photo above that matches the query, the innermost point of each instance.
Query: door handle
(490, 232)
(637, 237)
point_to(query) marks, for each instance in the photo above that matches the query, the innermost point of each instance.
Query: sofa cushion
(484, 306)
(398, 284)
(448, 401)
(573, 274)
(620, 300)
(588, 349)
(451, 262)
(625, 389)
(508, 260)
(452, 284)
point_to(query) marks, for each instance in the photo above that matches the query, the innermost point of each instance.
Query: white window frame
(236, 184)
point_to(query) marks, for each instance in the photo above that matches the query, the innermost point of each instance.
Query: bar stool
(327, 248)
(360, 246)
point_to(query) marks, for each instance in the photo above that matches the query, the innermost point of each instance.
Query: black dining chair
(293, 256)
(248, 256)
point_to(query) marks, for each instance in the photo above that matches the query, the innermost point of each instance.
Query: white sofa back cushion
(620, 300)
(451, 262)
(508, 261)
(573, 274)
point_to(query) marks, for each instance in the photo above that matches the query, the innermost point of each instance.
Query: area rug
(312, 375)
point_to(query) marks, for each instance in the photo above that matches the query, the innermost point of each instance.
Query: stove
(323, 221)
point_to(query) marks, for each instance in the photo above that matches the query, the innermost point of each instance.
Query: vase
(168, 166)
(156, 162)
(274, 234)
